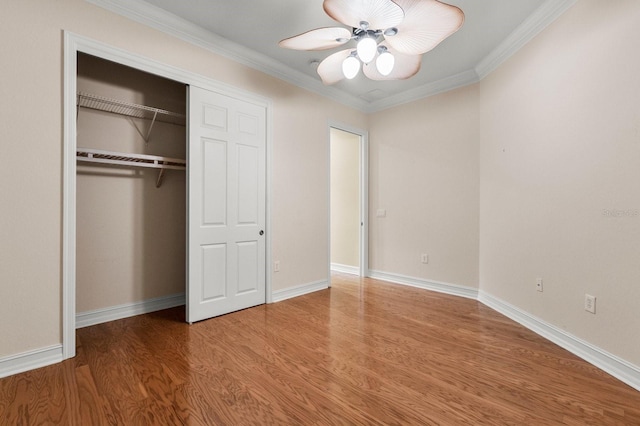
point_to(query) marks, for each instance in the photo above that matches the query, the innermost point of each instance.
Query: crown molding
(168, 23)
(443, 85)
(543, 16)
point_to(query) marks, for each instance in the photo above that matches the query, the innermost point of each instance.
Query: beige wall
(130, 235)
(345, 198)
(560, 146)
(424, 173)
(31, 181)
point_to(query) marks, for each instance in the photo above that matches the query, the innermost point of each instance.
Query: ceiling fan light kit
(367, 48)
(391, 36)
(385, 61)
(350, 66)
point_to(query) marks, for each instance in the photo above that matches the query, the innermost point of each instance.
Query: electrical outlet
(276, 266)
(590, 303)
(539, 284)
(424, 258)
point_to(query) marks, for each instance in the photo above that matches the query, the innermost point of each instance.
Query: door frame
(74, 44)
(364, 194)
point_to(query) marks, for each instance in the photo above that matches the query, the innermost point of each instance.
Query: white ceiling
(249, 31)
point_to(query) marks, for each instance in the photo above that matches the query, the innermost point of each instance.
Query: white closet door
(226, 206)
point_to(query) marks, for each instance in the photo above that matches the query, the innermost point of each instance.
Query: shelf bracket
(145, 136)
(153, 121)
(160, 178)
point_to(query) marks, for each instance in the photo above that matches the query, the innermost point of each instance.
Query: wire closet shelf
(136, 160)
(115, 106)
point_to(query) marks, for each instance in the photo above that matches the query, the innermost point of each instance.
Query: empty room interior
(208, 220)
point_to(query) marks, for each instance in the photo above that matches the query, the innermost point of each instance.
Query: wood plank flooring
(363, 352)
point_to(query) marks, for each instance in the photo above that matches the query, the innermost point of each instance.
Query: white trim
(440, 287)
(364, 203)
(345, 269)
(168, 23)
(112, 313)
(531, 27)
(30, 360)
(269, 197)
(299, 290)
(617, 367)
(73, 44)
(69, 198)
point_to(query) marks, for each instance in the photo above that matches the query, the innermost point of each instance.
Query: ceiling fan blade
(405, 66)
(318, 39)
(426, 24)
(380, 14)
(330, 70)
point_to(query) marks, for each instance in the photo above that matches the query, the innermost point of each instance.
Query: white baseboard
(30, 360)
(300, 290)
(440, 287)
(345, 269)
(611, 364)
(617, 367)
(112, 313)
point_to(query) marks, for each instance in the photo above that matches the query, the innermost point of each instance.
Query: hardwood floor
(363, 352)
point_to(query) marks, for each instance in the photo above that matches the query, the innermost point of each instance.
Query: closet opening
(130, 191)
(170, 257)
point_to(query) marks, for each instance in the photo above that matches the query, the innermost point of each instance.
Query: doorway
(348, 242)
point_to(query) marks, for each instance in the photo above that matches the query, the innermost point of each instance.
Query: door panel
(227, 198)
(248, 188)
(247, 267)
(214, 185)
(214, 267)
(215, 117)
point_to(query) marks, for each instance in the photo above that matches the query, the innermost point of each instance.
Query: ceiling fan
(394, 33)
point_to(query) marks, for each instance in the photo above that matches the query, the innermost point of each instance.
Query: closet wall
(130, 233)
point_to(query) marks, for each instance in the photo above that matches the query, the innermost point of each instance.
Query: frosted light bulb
(350, 67)
(367, 48)
(385, 63)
